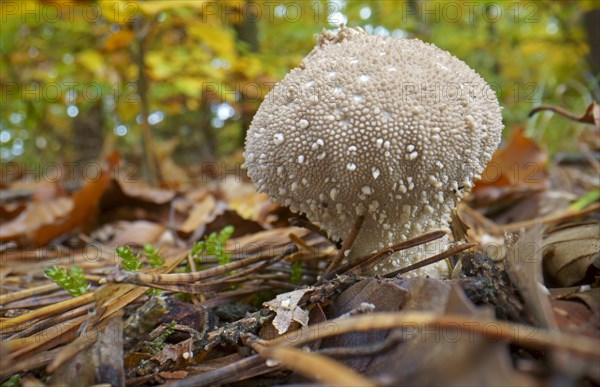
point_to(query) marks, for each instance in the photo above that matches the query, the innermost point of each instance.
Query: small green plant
(129, 261)
(214, 245)
(73, 280)
(296, 274)
(14, 381)
(133, 262)
(153, 255)
(587, 199)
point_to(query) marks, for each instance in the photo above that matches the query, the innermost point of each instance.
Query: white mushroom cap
(395, 130)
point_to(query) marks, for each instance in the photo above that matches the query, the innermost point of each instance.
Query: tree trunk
(247, 32)
(592, 27)
(151, 167)
(88, 130)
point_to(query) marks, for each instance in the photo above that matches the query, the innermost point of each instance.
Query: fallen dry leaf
(200, 214)
(101, 362)
(569, 252)
(286, 307)
(243, 198)
(42, 222)
(588, 296)
(458, 358)
(85, 204)
(34, 216)
(384, 296)
(242, 226)
(172, 174)
(136, 233)
(575, 317)
(524, 268)
(515, 170)
(11, 210)
(143, 192)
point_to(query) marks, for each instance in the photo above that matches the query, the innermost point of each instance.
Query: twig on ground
(436, 258)
(346, 246)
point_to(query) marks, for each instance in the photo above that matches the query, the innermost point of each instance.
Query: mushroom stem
(346, 246)
(438, 257)
(360, 263)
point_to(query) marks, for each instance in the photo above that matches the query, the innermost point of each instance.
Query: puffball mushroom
(394, 130)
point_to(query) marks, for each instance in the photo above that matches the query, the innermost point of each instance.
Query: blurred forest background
(172, 84)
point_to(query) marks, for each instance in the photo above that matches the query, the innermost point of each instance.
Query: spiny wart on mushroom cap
(395, 130)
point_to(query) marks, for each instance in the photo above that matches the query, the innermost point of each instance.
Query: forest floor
(205, 282)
